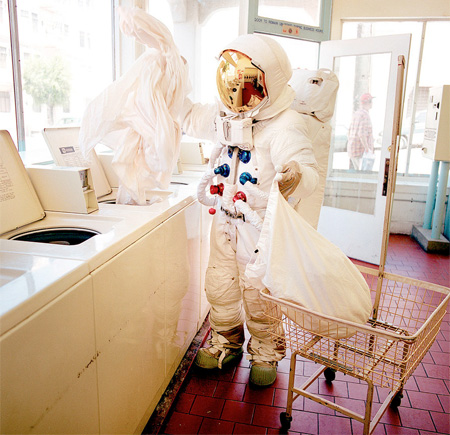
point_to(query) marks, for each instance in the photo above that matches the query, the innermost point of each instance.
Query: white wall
(385, 8)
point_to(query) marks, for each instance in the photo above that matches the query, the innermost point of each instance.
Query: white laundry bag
(138, 115)
(297, 264)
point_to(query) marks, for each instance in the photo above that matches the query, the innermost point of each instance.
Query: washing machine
(26, 226)
(48, 377)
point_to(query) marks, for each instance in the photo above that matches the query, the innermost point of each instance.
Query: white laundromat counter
(91, 334)
(120, 226)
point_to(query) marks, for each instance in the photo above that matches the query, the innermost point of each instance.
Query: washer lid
(19, 203)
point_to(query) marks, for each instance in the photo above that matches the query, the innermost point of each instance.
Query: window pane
(435, 64)
(65, 50)
(358, 120)
(435, 71)
(218, 29)
(292, 11)
(7, 108)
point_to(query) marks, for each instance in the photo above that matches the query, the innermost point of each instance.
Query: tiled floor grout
(223, 402)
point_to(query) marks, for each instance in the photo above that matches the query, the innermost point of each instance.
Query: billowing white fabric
(138, 115)
(296, 263)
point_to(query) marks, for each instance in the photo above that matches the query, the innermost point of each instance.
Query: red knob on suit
(240, 196)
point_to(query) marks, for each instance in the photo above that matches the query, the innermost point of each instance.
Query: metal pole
(440, 201)
(17, 75)
(431, 195)
(393, 160)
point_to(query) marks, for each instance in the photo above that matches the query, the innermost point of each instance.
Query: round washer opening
(57, 236)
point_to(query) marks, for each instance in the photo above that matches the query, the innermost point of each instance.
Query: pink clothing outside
(361, 126)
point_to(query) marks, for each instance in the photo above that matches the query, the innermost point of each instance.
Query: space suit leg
(264, 349)
(225, 296)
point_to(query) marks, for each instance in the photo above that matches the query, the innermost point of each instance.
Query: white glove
(288, 177)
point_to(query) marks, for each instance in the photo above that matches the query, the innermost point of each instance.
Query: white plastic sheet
(138, 114)
(296, 263)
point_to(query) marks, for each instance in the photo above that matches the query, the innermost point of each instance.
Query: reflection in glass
(240, 83)
(358, 127)
(426, 68)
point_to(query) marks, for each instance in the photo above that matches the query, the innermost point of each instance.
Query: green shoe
(263, 374)
(213, 358)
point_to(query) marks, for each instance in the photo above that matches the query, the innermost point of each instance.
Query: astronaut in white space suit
(258, 137)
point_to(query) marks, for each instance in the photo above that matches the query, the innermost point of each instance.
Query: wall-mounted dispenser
(436, 143)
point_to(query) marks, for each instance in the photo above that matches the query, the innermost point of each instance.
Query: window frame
(16, 66)
(259, 24)
(406, 175)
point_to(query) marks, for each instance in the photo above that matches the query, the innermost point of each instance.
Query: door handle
(386, 176)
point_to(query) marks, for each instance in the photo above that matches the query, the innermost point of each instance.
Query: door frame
(359, 235)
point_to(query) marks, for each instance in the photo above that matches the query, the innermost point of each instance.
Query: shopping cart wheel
(285, 420)
(397, 400)
(330, 374)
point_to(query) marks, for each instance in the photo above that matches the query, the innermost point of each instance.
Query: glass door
(352, 215)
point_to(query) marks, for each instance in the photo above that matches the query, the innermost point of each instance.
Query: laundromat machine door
(20, 205)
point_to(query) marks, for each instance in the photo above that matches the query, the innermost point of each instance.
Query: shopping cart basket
(406, 318)
(383, 353)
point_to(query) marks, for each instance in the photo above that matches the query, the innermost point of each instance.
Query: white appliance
(129, 291)
(64, 148)
(48, 374)
(22, 212)
(436, 142)
(93, 236)
(63, 145)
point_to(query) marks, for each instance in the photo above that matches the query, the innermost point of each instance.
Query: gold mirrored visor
(241, 84)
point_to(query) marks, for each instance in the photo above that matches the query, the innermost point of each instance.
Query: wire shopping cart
(406, 318)
(383, 353)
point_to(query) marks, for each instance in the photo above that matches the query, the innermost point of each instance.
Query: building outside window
(5, 102)
(50, 54)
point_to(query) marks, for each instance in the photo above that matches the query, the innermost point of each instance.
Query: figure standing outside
(360, 137)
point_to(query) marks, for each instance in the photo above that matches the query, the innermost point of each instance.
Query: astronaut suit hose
(243, 178)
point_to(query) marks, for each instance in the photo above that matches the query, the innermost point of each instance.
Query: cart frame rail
(384, 352)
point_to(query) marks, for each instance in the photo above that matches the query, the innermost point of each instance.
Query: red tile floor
(223, 402)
